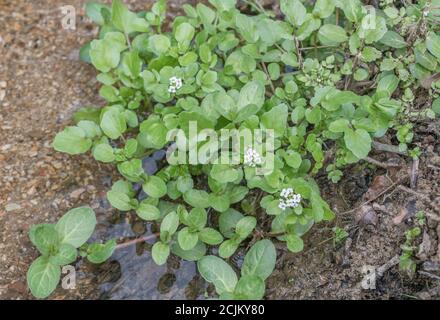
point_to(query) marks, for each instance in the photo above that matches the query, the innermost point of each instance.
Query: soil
(42, 83)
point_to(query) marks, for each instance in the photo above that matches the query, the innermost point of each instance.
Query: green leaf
(294, 11)
(147, 211)
(219, 203)
(223, 173)
(131, 64)
(388, 84)
(170, 223)
(250, 288)
(324, 8)
(218, 272)
(294, 243)
(94, 12)
(155, 187)
(100, 252)
(228, 248)
(247, 28)
(43, 277)
(194, 254)
(72, 140)
(358, 142)
(125, 20)
(113, 123)
(66, 254)
(197, 218)
(227, 222)
(44, 237)
(185, 184)
(187, 239)
(433, 44)
(159, 44)
(370, 54)
(76, 226)
(245, 226)
(339, 125)
(120, 200)
(332, 35)
(197, 198)
(184, 33)
(393, 40)
(260, 260)
(160, 253)
(105, 54)
(436, 106)
(252, 93)
(104, 152)
(276, 119)
(210, 236)
(352, 9)
(84, 53)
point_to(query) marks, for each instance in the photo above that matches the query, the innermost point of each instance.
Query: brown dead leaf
(380, 183)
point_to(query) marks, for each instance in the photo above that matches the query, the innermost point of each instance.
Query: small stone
(57, 165)
(6, 147)
(3, 84)
(12, 207)
(2, 95)
(366, 216)
(77, 193)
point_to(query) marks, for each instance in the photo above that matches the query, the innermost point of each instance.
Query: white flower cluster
(289, 199)
(252, 158)
(175, 84)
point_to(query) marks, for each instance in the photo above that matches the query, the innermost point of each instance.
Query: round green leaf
(358, 142)
(160, 253)
(245, 226)
(43, 277)
(260, 260)
(76, 226)
(294, 243)
(330, 34)
(66, 254)
(218, 272)
(250, 287)
(72, 140)
(210, 236)
(155, 187)
(104, 153)
(98, 252)
(187, 239)
(148, 212)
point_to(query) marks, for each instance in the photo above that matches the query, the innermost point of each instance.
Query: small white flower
(282, 205)
(252, 158)
(175, 84)
(289, 199)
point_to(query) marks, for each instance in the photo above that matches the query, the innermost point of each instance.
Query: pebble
(6, 147)
(12, 207)
(77, 193)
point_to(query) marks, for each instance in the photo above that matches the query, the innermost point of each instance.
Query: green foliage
(258, 264)
(328, 78)
(407, 262)
(59, 245)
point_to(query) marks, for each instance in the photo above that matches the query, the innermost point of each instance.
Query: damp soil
(42, 83)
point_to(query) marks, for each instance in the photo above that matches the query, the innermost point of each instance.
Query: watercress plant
(60, 244)
(327, 77)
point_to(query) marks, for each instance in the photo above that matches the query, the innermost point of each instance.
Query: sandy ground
(42, 83)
